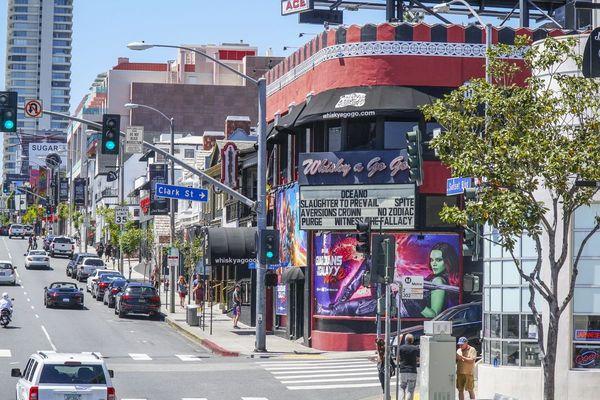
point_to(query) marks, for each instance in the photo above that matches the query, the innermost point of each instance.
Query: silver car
(37, 259)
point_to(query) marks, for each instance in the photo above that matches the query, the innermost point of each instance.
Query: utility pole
(121, 194)
(388, 321)
(172, 215)
(390, 10)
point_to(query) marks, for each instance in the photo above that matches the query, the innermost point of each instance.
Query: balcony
(106, 193)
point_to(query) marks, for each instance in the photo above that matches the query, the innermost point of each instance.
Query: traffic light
(363, 237)
(471, 241)
(6, 187)
(111, 128)
(269, 247)
(8, 111)
(383, 256)
(415, 155)
(470, 193)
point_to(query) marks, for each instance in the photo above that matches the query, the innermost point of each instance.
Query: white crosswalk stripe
(204, 398)
(140, 357)
(5, 353)
(324, 374)
(188, 358)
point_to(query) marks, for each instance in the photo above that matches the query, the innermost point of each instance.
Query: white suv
(65, 376)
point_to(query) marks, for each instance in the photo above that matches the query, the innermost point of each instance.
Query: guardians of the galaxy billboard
(339, 269)
(292, 243)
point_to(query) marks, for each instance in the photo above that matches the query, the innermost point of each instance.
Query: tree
(130, 241)
(534, 140)
(110, 226)
(33, 214)
(191, 252)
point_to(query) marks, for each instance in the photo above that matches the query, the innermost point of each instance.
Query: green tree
(191, 251)
(4, 219)
(130, 241)
(529, 147)
(110, 228)
(34, 213)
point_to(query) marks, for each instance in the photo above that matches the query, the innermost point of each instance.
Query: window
(433, 206)
(62, 35)
(62, 2)
(20, 17)
(60, 51)
(60, 68)
(360, 135)
(62, 27)
(60, 84)
(58, 10)
(189, 153)
(20, 33)
(62, 18)
(21, 1)
(65, 75)
(334, 138)
(586, 300)
(21, 9)
(64, 43)
(73, 374)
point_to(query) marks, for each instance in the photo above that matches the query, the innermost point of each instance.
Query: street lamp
(445, 7)
(133, 106)
(261, 216)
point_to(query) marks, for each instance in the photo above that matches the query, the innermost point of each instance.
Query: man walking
(409, 357)
(465, 367)
(237, 305)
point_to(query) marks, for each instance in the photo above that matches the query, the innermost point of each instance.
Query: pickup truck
(62, 245)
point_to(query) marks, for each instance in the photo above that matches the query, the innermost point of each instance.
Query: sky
(102, 29)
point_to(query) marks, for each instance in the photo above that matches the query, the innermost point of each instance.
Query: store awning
(288, 121)
(368, 101)
(230, 246)
(291, 274)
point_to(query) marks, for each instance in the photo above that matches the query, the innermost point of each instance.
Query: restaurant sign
(334, 208)
(352, 168)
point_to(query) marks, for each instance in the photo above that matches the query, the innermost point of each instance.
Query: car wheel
(121, 314)
(14, 283)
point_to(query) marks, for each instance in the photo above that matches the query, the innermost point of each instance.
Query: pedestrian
(237, 305)
(199, 293)
(108, 251)
(100, 249)
(465, 368)
(29, 243)
(380, 343)
(182, 289)
(34, 242)
(407, 368)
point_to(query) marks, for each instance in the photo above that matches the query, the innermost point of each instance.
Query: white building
(38, 65)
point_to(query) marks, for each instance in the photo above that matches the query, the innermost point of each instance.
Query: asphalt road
(153, 362)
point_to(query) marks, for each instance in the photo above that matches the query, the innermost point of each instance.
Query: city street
(150, 360)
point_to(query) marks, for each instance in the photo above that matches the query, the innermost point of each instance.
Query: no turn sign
(33, 108)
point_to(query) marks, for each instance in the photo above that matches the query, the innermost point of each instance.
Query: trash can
(192, 315)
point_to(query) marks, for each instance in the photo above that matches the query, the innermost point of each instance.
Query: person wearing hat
(465, 368)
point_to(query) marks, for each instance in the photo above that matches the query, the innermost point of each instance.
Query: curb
(209, 344)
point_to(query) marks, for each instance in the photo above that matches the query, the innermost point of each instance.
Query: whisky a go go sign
(295, 6)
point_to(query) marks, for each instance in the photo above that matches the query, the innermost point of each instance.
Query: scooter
(5, 316)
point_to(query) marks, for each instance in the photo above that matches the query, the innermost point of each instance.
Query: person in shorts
(408, 355)
(237, 305)
(465, 368)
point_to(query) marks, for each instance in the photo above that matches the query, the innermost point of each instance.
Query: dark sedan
(138, 298)
(101, 285)
(75, 260)
(466, 321)
(63, 294)
(48, 241)
(114, 287)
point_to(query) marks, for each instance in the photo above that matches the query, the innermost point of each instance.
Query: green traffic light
(270, 254)
(9, 124)
(110, 145)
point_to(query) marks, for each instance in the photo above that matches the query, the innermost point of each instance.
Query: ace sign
(295, 6)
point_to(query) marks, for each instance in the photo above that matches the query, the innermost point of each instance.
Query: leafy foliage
(528, 141)
(191, 251)
(110, 228)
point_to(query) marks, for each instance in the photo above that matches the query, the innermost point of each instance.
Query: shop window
(318, 140)
(510, 326)
(394, 133)
(510, 353)
(510, 273)
(334, 138)
(528, 327)
(530, 354)
(495, 324)
(495, 352)
(283, 161)
(360, 135)
(433, 207)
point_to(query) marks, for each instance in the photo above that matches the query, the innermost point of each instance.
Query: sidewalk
(230, 342)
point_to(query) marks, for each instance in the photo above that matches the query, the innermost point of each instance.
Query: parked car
(62, 245)
(114, 287)
(47, 241)
(4, 230)
(88, 266)
(63, 294)
(51, 375)
(101, 284)
(466, 321)
(7, 273)
(139, 298)
(28, 230)
(92, 280)
(16, 230)
(37, 259)
(76, 259)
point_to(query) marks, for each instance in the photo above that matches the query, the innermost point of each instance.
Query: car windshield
(17, 227)
(63, 285)
(37, 253)
(141, 290)
(73, 374)
(62, 240)
(118, 283)
(108, 277)
(93, 261)
(107, 274)
(6, 266)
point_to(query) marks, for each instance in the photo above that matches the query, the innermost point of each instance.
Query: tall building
(38, 66)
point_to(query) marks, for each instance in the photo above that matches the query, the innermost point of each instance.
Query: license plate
(39, 259)
(142, 300)
(72, 397)
(66, 301)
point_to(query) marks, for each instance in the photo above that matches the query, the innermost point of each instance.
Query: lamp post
(132, 106)
(261, 217)
(445, 7)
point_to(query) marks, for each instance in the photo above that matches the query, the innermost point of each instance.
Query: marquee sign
(295, 6)
(351, 168)
(334, 208)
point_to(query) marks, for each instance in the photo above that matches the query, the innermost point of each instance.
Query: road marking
(277, 370)
(313, 362)
(309, 366)
(319, 375)
(341, 386)
(28, 299)
(140, 357)
(203, 398)
(25, 293)
(5, 353)
(48, 337)
(251, 398)
(37, 316)
(7, 250)
(188, 357)
(32, 307)
(350, 379)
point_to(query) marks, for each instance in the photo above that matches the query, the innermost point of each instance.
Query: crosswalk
(323, 374)
(203, 398)
(186, 358)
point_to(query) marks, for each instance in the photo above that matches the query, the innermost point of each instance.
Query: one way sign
(181, 192)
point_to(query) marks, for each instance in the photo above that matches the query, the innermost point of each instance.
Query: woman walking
(182, 289)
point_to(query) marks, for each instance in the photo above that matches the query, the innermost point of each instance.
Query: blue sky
(102, 28)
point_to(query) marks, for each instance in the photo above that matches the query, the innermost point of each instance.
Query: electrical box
(438, 367)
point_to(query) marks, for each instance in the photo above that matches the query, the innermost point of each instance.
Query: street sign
(456, 186)
(173, 257)
(121, 215)
(181, 192)
(295, 6)
(33, 108)
(412, 287)
(134, 138)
